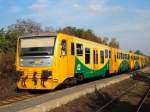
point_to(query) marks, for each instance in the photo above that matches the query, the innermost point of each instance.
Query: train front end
(34, 60)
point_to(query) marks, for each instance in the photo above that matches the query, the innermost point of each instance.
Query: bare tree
(105, 40)
(25, 26)
(114, 43)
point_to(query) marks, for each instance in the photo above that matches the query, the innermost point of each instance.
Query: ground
(92, 102)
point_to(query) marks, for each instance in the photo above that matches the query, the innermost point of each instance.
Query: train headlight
(21, 62)
(19, 74)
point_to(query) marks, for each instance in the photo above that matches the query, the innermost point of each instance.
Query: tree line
(9, 35)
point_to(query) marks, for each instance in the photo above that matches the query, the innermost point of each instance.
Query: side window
(102, 57)
(127, 56)
(79, 48)
(106, 53)
(131, 57)
(117, 55)
(87, 56)
(63, 48)
(96, 57)
(121, 56)
(109, 54)
(72, 48)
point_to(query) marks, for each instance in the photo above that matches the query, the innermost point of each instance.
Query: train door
(113, 61)
(63, 62)
(95, 59)
(131, 61)
(71, 57)
(140, 62)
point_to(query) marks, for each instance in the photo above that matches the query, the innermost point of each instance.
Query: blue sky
(127, 20)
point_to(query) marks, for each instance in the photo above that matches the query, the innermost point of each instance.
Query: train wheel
(80, 77)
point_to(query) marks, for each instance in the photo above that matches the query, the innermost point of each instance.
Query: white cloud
(74, 8)
(40, 7)
(99, 7)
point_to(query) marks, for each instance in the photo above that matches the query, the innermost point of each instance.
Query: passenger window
(121, 56)
(95, 55)
(72, 48)
(63, 48)
(127, 56)
(87, 56)
(96, 58)
(115, 58)
(102, 57)
(106, 53)
(109, 54)
(117, 55)
(79, 48)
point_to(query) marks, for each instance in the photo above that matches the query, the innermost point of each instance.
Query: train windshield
(40, 46)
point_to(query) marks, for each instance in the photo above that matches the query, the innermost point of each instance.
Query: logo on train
(78, 67)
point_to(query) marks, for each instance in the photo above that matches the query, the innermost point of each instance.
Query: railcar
(44, 61)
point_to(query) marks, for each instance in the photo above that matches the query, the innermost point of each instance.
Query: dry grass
(7, 74)
(7, 62)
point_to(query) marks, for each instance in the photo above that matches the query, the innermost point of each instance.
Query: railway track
(115, 99)
(141, 103)
(109, 105)
(16, 98)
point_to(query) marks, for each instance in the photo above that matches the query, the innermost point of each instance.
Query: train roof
(54, 34)
(45, 34)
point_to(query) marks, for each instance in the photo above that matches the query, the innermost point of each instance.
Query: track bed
(125, 96)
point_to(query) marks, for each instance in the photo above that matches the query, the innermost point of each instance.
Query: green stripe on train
(136, 65)
(87, 72)
(124, 66)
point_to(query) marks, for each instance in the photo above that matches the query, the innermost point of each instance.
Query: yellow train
(44, 61)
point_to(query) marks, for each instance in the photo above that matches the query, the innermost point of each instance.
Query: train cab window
(102, 57)
(79, 48)
(106, 53)
(63, 47)
(72, 48)
(87, 56)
